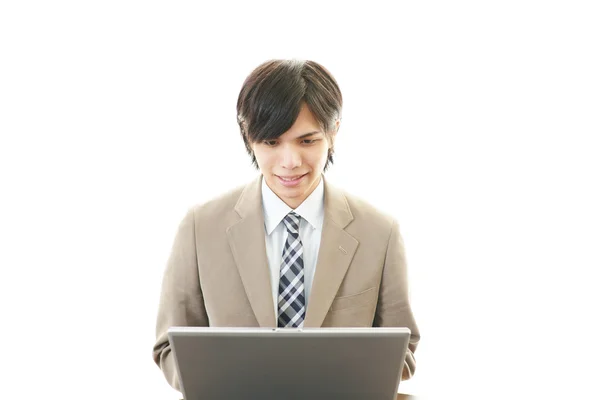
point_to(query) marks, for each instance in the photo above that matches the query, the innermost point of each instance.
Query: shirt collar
(274, 209)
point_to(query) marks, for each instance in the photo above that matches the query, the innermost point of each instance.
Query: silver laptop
(287, 363)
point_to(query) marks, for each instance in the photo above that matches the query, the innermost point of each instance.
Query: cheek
(320, 158)
(262, 159)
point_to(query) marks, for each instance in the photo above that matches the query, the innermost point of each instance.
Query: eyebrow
(308, 134)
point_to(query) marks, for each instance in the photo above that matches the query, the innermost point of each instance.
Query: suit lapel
(335, 254)
(247, 243)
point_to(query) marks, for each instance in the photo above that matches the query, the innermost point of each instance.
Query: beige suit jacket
(218, 274)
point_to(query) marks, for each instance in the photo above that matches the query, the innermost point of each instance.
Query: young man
(288, 249)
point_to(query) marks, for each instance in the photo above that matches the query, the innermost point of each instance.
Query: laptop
(289, 363)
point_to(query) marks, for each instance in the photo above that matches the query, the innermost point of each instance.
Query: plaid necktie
(291, 304)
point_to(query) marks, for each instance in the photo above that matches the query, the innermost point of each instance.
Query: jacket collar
(247, 241)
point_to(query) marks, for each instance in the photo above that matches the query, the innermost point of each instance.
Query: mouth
(291, 180)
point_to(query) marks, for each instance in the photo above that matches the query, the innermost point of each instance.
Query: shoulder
(205, 218)
(216, 211)
(365, 215)
(373, 227)
(229, 207)
(364, 210)
(218, 205)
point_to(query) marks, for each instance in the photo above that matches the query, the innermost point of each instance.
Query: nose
(290, 157)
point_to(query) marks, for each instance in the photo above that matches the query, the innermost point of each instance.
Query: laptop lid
(264, 363)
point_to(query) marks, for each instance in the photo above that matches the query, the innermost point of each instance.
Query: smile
(292, 180)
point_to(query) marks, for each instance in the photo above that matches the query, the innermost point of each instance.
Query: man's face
(292, 164)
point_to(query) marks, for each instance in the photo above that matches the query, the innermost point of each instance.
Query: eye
(270, 143)
(310, 141)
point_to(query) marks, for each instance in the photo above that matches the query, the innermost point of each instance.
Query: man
(288, 249)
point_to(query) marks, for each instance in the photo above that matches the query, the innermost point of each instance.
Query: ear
(335, 131)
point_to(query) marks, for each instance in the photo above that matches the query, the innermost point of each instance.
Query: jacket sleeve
(393, 306)
(181, 301)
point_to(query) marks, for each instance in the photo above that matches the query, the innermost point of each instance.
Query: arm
(181, 301)
(393, 306)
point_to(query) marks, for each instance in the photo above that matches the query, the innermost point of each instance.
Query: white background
(475, 123)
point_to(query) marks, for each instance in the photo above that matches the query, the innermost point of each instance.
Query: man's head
(281, 102)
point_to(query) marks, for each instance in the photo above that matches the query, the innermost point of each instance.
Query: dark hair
(271, 97)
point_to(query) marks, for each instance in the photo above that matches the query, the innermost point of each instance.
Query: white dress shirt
(311, 225)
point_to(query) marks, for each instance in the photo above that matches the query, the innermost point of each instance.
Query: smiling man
(288, 249)
(292, 164)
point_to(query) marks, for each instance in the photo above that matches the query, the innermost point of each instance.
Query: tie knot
(292, 222)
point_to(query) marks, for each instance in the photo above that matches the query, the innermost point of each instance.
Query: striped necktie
(291, 302)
